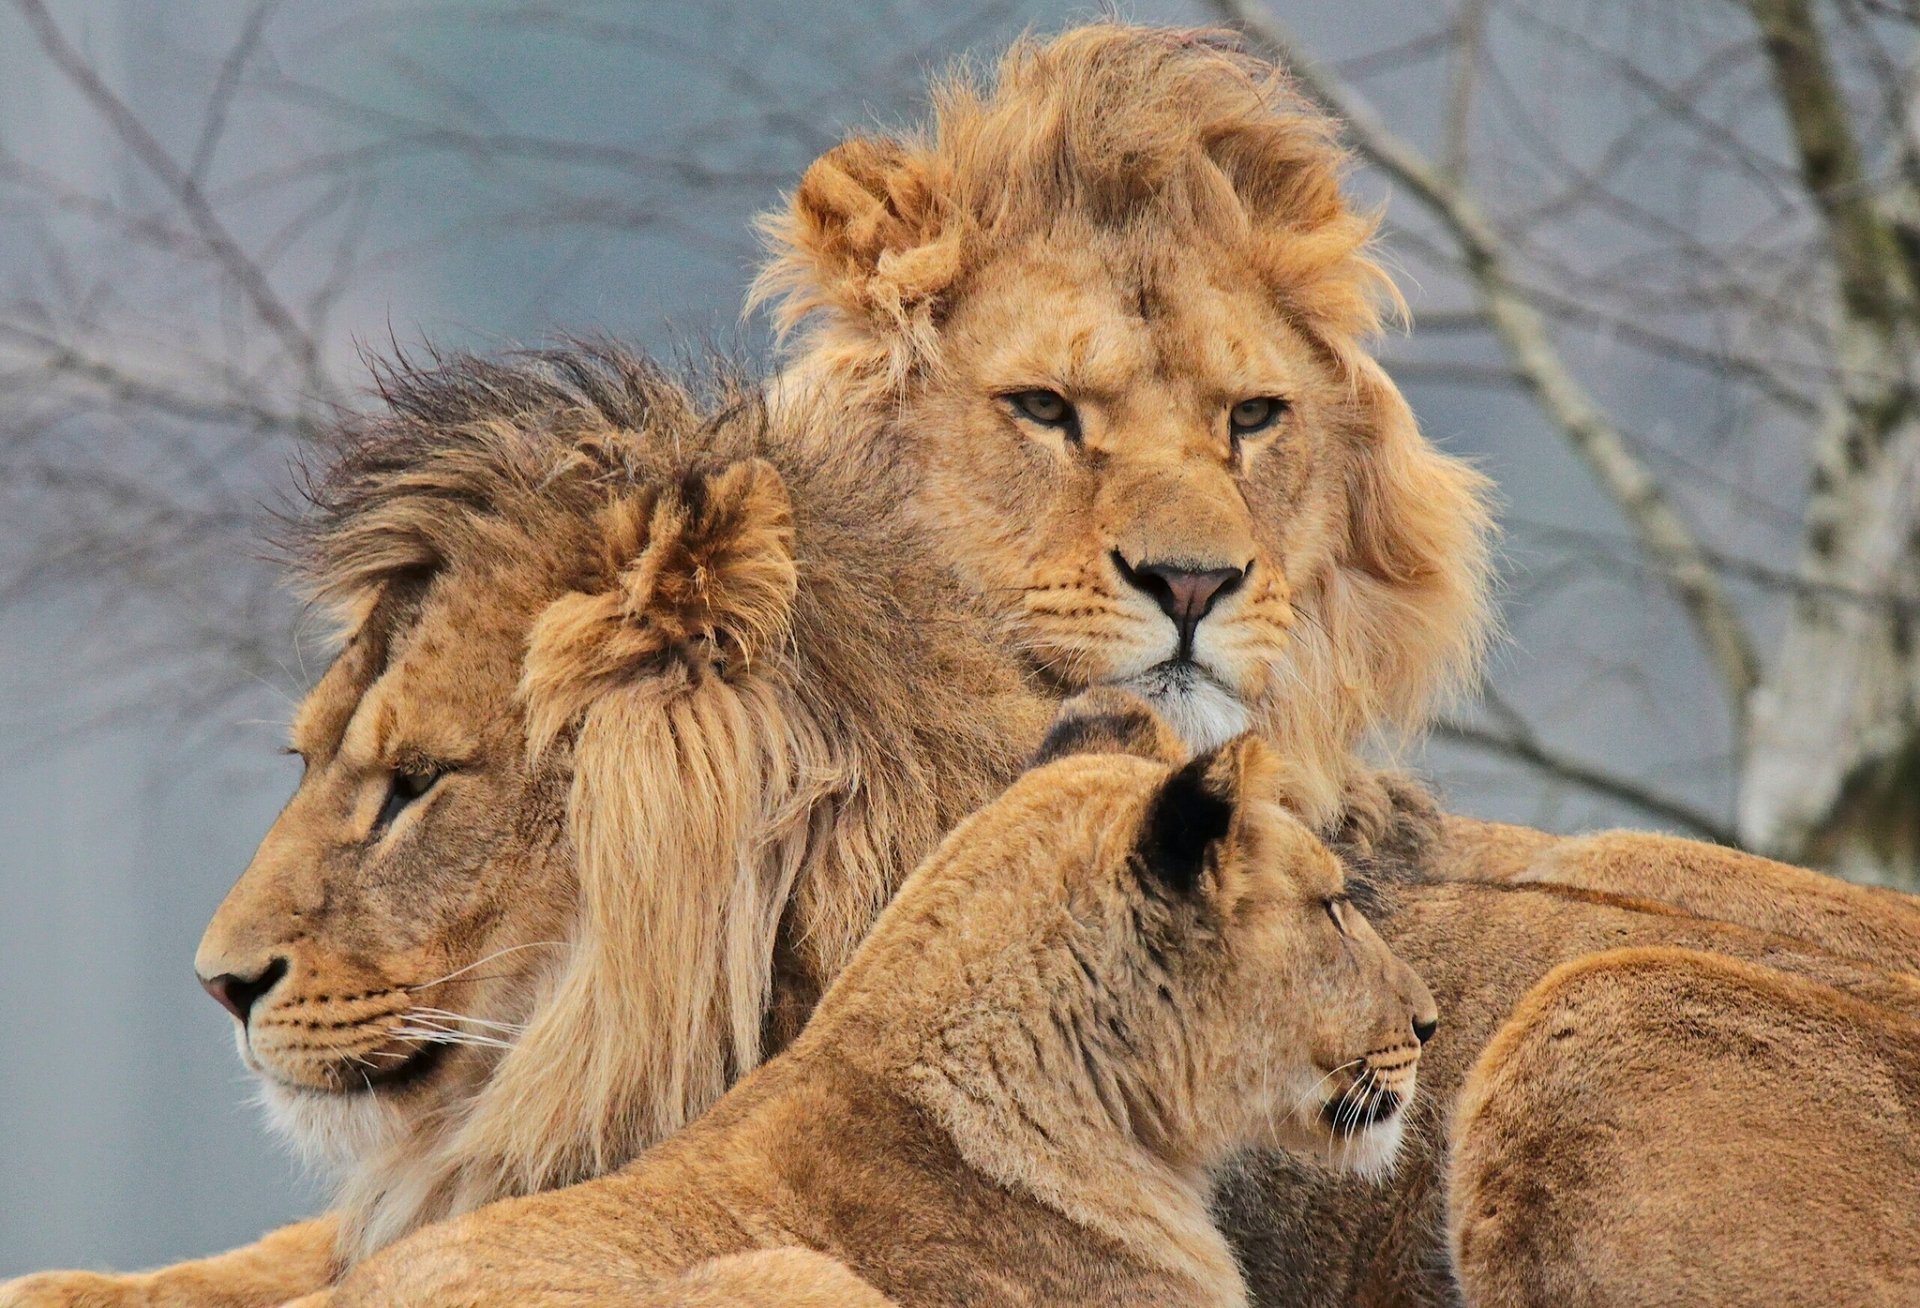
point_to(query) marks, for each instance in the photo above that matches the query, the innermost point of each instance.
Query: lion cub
(1097, 988)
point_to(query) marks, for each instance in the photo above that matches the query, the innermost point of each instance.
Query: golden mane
(1156, 130)
(1165, 140)
(769, 702)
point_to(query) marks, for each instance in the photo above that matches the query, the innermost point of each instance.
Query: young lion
(1094, 991)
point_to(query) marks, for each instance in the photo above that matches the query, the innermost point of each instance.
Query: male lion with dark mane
(640, 716)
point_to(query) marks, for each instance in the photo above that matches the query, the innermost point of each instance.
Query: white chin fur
(330, 1131)
(1370, 1152)
(1202, 712)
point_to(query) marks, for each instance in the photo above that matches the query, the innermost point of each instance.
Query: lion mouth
(1179, 675)
(1354, 1112)
(411, 1070)
(356, 1076)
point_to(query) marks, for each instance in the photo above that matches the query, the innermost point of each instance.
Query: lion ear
(1200, 813)
(702, 579)
(1108, 720)
(864, 234)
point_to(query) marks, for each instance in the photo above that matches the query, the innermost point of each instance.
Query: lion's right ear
(702, 582)
(1199, 813)
(865, 234)
(1108, 720)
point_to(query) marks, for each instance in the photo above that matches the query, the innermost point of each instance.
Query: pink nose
(1184, 594)
(238, 994)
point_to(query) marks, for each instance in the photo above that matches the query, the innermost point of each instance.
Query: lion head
(1107, 319)
(628, 740)
(1145, 941)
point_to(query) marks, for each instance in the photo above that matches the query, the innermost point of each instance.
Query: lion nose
(1184, 594)
(238, 994)
(1424, 1027)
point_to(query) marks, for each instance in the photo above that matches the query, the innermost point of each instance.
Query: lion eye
(1048, 408)
(404, 789)
(1332, 906)
(1255, 415)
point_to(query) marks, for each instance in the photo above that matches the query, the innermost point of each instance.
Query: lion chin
(1201, 711)
(331, 1132)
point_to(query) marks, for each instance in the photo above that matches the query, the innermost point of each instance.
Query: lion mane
(769, 704)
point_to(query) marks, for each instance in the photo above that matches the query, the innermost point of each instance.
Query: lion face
(1106, 320)
(381, 949)
(1146, 459)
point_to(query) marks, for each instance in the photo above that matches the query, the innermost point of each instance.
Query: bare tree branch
(180, 184)
(1522, 746)
(1874, 281)
(1529, 346)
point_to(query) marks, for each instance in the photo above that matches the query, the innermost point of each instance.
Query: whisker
(448, 1015)
(440, 1036)
(481, 962)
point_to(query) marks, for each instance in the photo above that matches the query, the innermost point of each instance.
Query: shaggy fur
(1149, 224)
(1073, 1013)
(1372, 544)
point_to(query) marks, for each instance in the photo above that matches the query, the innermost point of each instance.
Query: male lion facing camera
(1091, 994)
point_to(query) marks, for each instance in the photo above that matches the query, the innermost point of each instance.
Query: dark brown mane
(469, 456)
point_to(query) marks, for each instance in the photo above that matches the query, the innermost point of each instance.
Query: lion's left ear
(702, 578)
(865, 234)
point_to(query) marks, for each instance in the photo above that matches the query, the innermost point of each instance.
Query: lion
(1098, 988)
(1103, 322)
(493, 506)
(1369, 561)
(640, 715)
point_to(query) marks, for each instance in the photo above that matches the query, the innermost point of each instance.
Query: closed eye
(406, 787)
(1332, 905)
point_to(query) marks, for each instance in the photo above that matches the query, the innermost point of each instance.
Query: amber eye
(1255, 415)
(1048, 408)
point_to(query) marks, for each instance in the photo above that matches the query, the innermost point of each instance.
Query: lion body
(1306, 1239)
(1807, 1086)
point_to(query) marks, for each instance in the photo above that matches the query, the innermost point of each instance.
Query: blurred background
(1662, 259)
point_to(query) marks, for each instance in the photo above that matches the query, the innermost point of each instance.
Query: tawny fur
(1150, 222)
(1104, 220)
(1370, 543)
(701, 703)
(1578, 1175)
(1096, 990)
